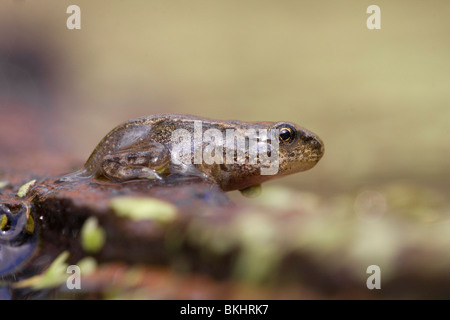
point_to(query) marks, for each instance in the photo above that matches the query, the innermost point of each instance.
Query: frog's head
(281, 149)
(298, 148)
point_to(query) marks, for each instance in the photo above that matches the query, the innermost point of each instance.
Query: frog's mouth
(294, 166)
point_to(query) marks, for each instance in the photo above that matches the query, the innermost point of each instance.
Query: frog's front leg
(129, 165)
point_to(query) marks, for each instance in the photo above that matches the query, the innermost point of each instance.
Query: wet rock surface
(185, 238)
(304, 247)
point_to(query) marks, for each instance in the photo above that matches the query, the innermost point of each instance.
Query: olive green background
(379, 99)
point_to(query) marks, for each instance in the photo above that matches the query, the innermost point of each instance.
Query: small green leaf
(87, 265)
(23, 190)
(3, 221)
(93, 236)
(54, 276)
(144, 209)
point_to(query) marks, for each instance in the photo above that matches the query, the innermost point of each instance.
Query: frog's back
(118, 137)
(130, 148)
(157, 128)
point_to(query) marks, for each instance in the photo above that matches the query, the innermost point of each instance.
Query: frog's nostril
(316, 143)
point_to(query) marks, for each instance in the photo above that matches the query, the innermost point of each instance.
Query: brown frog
(233, 154)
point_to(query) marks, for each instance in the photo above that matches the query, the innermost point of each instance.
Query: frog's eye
(287, 134)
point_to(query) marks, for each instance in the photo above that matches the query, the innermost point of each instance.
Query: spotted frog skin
(141, 149)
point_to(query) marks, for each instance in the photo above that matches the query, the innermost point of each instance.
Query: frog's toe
(147, 173)
(154, 176)
(187, 170)
(75, 176)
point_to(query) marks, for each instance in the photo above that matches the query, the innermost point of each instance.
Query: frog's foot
(117, 173)
(187, 170)
(135, 165)
(252, 191)
(74, 176)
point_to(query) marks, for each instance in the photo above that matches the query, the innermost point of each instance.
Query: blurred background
(379, 99)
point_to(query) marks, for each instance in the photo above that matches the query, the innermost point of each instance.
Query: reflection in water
(5, 293)
(18, 237)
